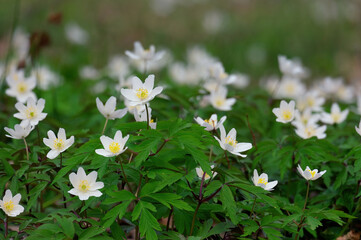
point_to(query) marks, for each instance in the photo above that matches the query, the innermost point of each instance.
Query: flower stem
(228, 163)
(169, 217)
(308, 190)
(61, 165)
(194, 217)
(27, 150)
(146, 109)
(6, 223)
(254, 203)
(124, 175)
(105, 125)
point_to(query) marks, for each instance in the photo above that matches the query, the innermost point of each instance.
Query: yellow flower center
(84, 186)
(287, 115)
(9, 206)
(142, 93)
(310, 132)
(151, 121)
(231, 141)
(223, 75)
(336, 117)
(290, 88)
(30, 112)
(312, 172)
(219, 102)
(114, 147)
(210, 122)
(21, 87)
(58, 143)
(262, 181)
(310, 101)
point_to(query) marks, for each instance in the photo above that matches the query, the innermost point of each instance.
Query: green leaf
(148, 224)
(67, 226)
(119, 210)
(313, 222)
(228, 203)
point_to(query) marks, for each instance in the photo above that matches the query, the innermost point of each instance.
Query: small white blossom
(219, 100)
(206, 176)
(108, 109)
(310, 129)
(19, 132)
(146, 55)
(45, 77)
(262, 181)
(336, 115)
(291, 68)
(211, 123)
(89, 72)
(310, 175)
(20, 86)
(290, 88)
(141, 93)
(286, 112)
(75, 34)
(229, 143)
(305, 117)
(142, 117)
(85, 186)
(113, 147)
(57, 144)
(10, 205)
(32, 113)
(311, 100)
(118, 67)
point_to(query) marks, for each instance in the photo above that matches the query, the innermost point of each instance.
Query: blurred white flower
(89, 72)
(358, 129)
(229, 143)
(85, 186)
(113, 147)
(21, 44)
(200, 173)
(311, 100)
(211, 123)
(19, 132)
(32, 113)
(240, 80)
(286, 112)
(290, 88)
(131, 109)
(20, 86)
(309, 130)
(219, 100)
(310, 175)
(336, 116)
(75, 34)
(305, 117)
(142, 117)
(141, 93)
(292, 68)
(10, 205)
(183, 74)
(118, 67)
(45, 77)
(108, 109)
(213, 21)
(262, 181)
(57, 144)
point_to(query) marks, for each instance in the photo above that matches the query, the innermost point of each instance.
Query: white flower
(32, 113)
(112, 147)
(20, 86)
(310, 175)
(217, 73)
(45, 77)
(358, 129)
(85, 186)
(219, 100)
(230, 144)
(291, 68)
(21, 43)
(211, 123)
(312, 100)
(57, 144)
(286, 112)
(10, 205)
(131, 109)
(118, 67)
(290, 88)
(141, 93)
(206, 176)
(19, 132)
(241, 80)
(305, 117)
(147, 55)
(336, 116)
(75, 34)
(142, 117)
(108, 110)
(262, 181)
(310, 129)
(89, 72)
(183, 74)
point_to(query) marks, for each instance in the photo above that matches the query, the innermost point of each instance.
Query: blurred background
(245, 35)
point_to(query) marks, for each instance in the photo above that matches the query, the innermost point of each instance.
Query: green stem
(105, 125)
(124, 175)
(308, 190)
(254, 203)
(228, 163)
(146, 109)
(304, 207)
(27, 150)
(61, 165)
(194, 217)
(6, 222)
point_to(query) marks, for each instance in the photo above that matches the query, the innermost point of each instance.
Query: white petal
(52, 154)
